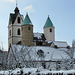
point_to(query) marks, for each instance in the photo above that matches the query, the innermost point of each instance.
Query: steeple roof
(16, 10)
(48, 23)
(27, 20)
(14, 15)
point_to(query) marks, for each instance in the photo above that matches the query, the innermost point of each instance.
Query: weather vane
(16, 3)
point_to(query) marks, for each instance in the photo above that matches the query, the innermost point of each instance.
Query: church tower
(14, 27)
(49, 30)
(27, 31)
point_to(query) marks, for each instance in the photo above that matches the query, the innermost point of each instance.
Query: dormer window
(40, 53)
(50, 29)
(18, 20)
(18, 32)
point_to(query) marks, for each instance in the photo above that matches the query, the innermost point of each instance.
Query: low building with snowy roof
(58, 44)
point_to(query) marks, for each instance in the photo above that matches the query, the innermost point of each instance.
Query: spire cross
(16, 3)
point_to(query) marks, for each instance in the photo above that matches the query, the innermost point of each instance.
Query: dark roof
(16, 10)
(12, 17)
(19, 43)
(47, 44)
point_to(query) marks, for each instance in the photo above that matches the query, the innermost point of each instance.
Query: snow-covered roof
(49, 53)
(60, 44)
(39, 36)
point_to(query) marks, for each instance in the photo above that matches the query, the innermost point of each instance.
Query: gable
(13, 18)
(20, 19)
(59, 44)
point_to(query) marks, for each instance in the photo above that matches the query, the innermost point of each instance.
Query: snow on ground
(34, 71)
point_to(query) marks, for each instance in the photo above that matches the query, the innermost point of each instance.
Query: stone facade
(27, 35)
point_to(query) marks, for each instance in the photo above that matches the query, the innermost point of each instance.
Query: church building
(14, 27)
(26, 48)
(20, 31)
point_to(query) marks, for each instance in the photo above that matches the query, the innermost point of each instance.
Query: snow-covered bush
(67, 64)
(34, 71)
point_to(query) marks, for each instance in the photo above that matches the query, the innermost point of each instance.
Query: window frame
(18, 20)
(50, 29)
(18, 31)
(10, 33)
(29, 28)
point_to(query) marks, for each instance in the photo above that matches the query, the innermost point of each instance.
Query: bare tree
(73, 43)
(69, 62)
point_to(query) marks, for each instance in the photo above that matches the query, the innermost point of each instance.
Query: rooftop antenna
(16, 3)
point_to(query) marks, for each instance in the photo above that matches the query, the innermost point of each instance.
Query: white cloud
(29, 9)
(12, 1)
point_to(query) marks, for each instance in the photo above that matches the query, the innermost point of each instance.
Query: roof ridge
(38, 33)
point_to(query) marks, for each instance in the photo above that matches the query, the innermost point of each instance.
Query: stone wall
(27, 35)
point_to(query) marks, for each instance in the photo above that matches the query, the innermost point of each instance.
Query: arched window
(10, 33)
(18, 19)
(28, 28)
(18, 32)
(50, 29)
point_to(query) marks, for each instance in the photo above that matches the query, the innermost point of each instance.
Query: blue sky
(61, 12)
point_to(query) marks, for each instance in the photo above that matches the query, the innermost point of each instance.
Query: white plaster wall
(10, 28)
(15, 23)
(9, 42)
(9, 37)
(15, 28)
(14, 38)
(50, 36)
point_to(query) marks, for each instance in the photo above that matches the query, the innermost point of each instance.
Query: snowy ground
(35, 71)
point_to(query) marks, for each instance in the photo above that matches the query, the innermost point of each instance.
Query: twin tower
(20, 31)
